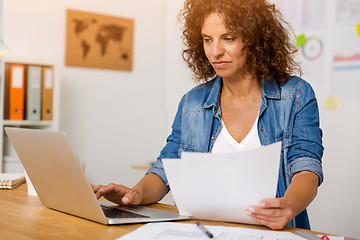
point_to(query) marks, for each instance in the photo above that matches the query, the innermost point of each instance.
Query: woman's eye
(229, 39)
(207, 40)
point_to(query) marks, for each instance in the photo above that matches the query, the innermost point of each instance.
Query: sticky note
(358, 29)
(331, 103)
(301, 40)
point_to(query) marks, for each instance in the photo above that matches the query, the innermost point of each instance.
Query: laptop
(61, 185)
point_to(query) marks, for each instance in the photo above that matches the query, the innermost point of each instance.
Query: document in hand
(222, 186)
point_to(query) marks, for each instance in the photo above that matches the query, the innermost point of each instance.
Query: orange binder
(16, 91)
(47, 93)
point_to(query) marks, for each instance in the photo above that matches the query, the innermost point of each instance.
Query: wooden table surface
(24, 217)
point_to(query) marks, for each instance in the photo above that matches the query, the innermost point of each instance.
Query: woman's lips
(220, 64)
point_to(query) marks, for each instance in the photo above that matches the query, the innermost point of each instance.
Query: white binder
(33, 93)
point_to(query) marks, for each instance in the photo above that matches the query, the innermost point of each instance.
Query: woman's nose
(217, 49)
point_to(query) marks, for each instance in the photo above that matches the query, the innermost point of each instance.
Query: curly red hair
(268, 45)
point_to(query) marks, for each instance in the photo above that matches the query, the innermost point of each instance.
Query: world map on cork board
(99, 41)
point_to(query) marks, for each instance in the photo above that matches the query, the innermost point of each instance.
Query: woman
(244, 56)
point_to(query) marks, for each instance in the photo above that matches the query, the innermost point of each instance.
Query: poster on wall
(99, 41)
(313, 58)
(347, 11)
(346, 64)
(346, 48)
(305, 14)
(291, 11)
(314, 14)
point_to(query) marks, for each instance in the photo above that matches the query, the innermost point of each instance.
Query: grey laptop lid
(60, 183)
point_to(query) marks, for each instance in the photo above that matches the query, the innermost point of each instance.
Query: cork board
(99, 41)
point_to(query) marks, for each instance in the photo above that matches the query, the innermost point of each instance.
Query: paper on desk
(222, 186)
(183, 231)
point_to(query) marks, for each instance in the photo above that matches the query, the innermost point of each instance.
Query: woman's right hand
(118, 194)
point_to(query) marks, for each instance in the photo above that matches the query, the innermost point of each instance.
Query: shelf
(141, 167)
(9, 162)
(8, 158)
(12, 123)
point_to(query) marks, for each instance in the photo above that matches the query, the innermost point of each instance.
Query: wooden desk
(24, 217)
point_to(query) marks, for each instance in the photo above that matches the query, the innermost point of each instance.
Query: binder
(16, 91)
(47, 93)
(33, 93)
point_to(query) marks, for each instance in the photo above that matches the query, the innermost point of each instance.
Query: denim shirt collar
(269, 89)
(214, 97)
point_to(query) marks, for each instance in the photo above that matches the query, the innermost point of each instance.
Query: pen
(203, 228)
(307, 235)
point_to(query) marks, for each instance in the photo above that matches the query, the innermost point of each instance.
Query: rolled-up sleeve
(307, 164)
(306, 150)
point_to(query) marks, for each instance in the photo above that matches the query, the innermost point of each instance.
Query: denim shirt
(288, 113)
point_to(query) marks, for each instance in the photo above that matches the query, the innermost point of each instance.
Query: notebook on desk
(61, 185)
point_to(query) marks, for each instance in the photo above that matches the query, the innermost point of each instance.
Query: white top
(226, 143)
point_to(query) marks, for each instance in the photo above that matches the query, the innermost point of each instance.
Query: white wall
(113, 118)
(178, 77)
(1, 64)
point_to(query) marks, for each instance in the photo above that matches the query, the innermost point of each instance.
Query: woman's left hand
(274, 213)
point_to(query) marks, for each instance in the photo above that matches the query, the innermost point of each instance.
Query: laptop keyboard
(113, 212)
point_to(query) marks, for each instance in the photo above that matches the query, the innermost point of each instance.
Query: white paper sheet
(222, 186)
(183, 231)
(291, 10)
(345, 82)
(314, 14)
(347, 11)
